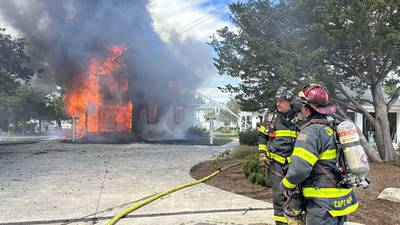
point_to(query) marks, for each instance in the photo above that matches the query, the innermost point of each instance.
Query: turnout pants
(316, 215)
(277, 172)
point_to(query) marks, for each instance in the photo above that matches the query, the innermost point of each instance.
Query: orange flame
(99, 97)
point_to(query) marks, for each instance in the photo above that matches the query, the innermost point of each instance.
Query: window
(179, 115)
(151, 113)
(368, 128)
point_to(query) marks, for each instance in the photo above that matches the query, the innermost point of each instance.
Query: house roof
(210, 105)
(368, 96)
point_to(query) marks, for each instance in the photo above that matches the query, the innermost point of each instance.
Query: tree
(14, 69)
(13, 62)
(253, 55)
(226, 116)
(353, 47)
(27, 104)
(55, 104)
(210, 114)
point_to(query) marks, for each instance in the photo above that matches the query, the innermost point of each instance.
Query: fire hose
(146, 201)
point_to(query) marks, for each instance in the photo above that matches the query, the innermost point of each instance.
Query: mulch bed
(372, 210)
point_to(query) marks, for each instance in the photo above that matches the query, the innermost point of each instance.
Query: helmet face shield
(302, 97)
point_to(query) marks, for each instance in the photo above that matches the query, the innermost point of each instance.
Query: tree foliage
(352, 47)
(13, 62)
(20, 102)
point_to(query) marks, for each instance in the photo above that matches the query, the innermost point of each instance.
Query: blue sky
(220, 80)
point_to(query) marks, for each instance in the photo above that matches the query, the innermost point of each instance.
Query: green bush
(248, 137)
(195, 131)
(255, 172)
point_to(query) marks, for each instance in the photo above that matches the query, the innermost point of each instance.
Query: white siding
(398, 127)
(359, 120)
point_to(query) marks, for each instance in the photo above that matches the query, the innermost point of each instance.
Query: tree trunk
(59, 124)
(24, 125)
(381, 125)
(40, 125)
(16, 127)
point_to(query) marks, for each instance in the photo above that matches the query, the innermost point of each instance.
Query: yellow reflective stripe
(286, 133)
(288, 184)
(278, 158)
(262, 129)
(305, 155)
(328, 154)
(345, 211)
(311, 192)
(281, 219)
(262, 147)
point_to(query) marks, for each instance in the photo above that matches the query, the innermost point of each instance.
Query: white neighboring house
(209, 104)
(248, 120)
(394, 121)
(201, 112)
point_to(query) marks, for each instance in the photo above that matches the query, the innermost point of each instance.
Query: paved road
(53, 183)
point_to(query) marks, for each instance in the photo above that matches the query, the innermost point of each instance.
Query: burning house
(102, 108)
(99, 101)
(118, 76)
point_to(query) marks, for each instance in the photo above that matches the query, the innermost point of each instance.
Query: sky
(196, 20)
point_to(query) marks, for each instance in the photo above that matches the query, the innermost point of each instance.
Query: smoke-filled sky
(165, 39)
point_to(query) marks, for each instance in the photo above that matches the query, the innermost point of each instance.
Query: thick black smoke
(65, 35)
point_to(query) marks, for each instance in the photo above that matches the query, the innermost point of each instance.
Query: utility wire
(183, 29)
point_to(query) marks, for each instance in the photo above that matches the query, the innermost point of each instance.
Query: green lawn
(217, 141)
(225, 135)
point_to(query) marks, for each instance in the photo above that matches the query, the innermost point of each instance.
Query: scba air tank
(354, 153)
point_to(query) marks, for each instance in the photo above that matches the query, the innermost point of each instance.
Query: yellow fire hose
(144, 202)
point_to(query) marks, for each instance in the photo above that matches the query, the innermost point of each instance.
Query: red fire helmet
(318, 98)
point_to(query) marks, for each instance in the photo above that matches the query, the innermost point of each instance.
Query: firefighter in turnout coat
(313, 165)
(276, 138)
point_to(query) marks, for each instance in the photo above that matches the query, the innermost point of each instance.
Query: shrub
(248, 137)
(255, 172)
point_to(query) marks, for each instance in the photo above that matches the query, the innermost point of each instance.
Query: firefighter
(314, 163)
(276, 138)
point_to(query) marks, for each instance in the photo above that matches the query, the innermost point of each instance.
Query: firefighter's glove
(294, 205)
(285, 191)
(263, 159)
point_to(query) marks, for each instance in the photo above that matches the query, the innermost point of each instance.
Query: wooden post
(74, 129)
(86, 121)
(213, 117)
(211, 131)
